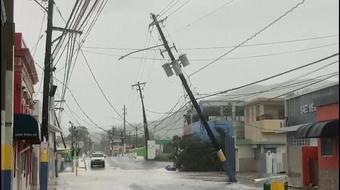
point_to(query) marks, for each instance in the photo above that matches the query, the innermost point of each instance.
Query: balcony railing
(268, 117)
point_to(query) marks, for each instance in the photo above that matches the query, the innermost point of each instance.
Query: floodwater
(127, 173)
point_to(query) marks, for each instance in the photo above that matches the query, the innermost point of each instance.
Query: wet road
(124, 173)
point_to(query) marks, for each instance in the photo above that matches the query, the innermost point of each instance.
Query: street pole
(193, 99)
(7, 78)
(76, 149)
(112, 137)
(72, 144)
(146, 130)
(124, 133)
(136, 137)
(129, 138)
(46, 100)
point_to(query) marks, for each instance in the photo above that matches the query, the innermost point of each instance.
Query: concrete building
(26, 133)
(312, 136)
(263, 119)
(225, 114)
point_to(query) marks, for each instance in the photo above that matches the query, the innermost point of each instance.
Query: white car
(97, 159)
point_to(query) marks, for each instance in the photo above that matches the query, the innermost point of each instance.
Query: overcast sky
(124, 24)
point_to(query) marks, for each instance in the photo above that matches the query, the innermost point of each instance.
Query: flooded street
(130, 174)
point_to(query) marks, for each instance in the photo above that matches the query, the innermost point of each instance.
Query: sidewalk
(249, 177)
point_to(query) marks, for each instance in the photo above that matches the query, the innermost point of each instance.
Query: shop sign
(308, 108)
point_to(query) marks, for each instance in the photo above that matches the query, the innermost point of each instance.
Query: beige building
(263, 119)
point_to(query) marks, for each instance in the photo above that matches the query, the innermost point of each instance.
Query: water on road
(124, 173)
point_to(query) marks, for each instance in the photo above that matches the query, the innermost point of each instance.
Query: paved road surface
(126, 173)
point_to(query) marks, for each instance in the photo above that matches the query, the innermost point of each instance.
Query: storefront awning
(320, 129)
(26, 128)
(292, 128)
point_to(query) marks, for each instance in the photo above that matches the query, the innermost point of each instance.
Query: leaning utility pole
(177, 68)
(145, 123)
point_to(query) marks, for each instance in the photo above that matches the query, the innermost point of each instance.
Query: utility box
(277, 185)
(151, 154)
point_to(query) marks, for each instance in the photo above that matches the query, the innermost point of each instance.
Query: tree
(193, 154)
(79, 134)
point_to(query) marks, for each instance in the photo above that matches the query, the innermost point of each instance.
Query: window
(247, 115)
(257, 152)
(258, 112)
(326, 146)
(239, 113)
(271, 150)
(293, 141)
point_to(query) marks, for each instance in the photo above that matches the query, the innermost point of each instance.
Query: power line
(75, 22)
(204, 16)
(248, 39)
(273, 76)
(223, 47)
(264, 43)
(102, 91)
(84, 113)
(279, 87)
(300, 88)
(166, 7)
(229, 58)
(169, 7)
(183, 4)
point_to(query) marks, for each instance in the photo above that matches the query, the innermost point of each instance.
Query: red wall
(328, 112)
(309, 153)
(324, 113)
(20, 70)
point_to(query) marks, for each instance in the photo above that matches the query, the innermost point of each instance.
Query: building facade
(263, 119)
(225, 115)
(312, 156)
(225, 119)
(26, 135)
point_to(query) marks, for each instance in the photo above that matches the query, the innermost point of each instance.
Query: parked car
(170, 168)
(97, 159)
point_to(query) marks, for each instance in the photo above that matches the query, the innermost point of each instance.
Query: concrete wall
(273, 109)
(294, 161)
(246, 161)
(248, 165)
(328, 179)
(245, 151)
(255, 131)
(274, 137)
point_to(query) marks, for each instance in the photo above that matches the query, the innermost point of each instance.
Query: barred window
(294, 141)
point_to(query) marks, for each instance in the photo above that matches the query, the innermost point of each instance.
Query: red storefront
(321, 163)
(328, 144)
(26, 127)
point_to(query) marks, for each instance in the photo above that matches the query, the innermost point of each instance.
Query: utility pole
(178, 71)
(124, 132)
(46, 100)
(136, 137)
(77, 149)
(7, 78)
(145, 123)
(122, 137)
(112, 139)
